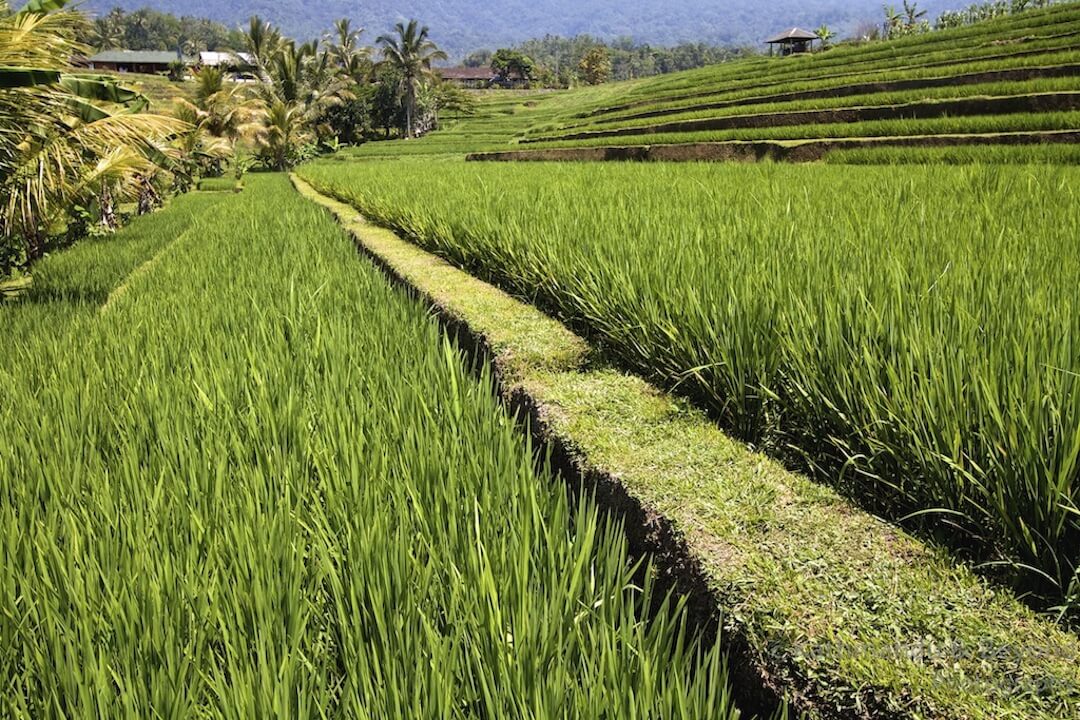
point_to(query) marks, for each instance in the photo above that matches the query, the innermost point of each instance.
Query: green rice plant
(960, 155)
(1048, 65)
(876, 99)
(265, 485)
(898, 127)
(1000, 39)
(910, 336)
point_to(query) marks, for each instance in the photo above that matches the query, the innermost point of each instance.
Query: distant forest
(462, 26)
(556, 58)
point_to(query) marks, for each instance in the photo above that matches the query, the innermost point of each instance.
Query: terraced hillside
(1014, 80)
(1011, 81)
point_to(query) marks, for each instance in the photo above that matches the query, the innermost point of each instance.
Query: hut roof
(146, 57)
(465, 73)
(793, 35)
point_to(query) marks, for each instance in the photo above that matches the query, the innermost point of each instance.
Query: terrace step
(869, 88)
(779, 150)
(958, 107)
(819, 602)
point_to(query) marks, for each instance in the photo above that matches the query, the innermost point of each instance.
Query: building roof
(210, 57)
(466, 73)
(145, 57)
(793, 35)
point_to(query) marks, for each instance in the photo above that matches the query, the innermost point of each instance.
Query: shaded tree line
(148, 29)
(563, 62)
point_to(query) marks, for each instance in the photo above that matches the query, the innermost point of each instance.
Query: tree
(825, 34)
(410, 53)
(508, 64)
(282, 136)
(65, 140)
(262, 41)
(478, 58)
(595, 67)
(218, 116)
(345, 48)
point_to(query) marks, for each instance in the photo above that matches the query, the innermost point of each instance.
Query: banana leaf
(42, 7)
(98, 87)
(16, 77)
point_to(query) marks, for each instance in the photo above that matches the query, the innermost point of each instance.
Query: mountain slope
(463, 25)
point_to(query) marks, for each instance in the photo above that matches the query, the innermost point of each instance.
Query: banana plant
(64, 136)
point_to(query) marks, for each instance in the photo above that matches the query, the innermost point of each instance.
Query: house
(480, 77)
(137, 61)
(795, 40)
(237, 62)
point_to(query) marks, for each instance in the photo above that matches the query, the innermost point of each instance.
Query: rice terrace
(376, 375)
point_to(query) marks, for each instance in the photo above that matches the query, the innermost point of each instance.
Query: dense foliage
(147, 29)
(72, 146)
(557, 60)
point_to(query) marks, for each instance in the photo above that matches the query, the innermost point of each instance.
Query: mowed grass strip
(908, 336)
(847, 615)
(267, 486)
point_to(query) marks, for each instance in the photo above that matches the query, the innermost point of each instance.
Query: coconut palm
(262, 42)
(410, 53)
(280, 135)
(64, 139)
(825, 34)
(346, 51)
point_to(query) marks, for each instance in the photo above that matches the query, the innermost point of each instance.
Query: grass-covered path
(263, 484)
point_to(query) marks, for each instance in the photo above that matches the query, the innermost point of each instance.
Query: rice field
(1015, 74)
(248, 478)
(909, 335)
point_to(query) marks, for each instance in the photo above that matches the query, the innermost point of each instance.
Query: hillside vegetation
(1013, 80)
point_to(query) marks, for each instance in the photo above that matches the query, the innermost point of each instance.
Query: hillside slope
(463, 25)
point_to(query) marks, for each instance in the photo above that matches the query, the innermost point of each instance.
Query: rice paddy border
(635, 447)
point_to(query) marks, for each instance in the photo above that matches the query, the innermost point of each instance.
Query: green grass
(913, 344)
(262, 484)
(877, 99)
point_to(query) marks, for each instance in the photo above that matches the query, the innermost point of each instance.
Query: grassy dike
(821, 603)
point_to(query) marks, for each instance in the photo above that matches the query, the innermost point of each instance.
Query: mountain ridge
(460, 26)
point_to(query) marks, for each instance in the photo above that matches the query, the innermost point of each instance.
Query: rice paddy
(262, 484)
(914, 345)
(246, 476)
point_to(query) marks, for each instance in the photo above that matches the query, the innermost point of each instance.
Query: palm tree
(825, 34)
(280, 134)
(892, 22)
(263, 41)
(347, 52)
(411, 53)
(64, 139)
(913, 15)
(218, 116)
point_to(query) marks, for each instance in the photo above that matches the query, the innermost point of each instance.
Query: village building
(479, 78)
(795, 40)
(236, 62)
(137, 61)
